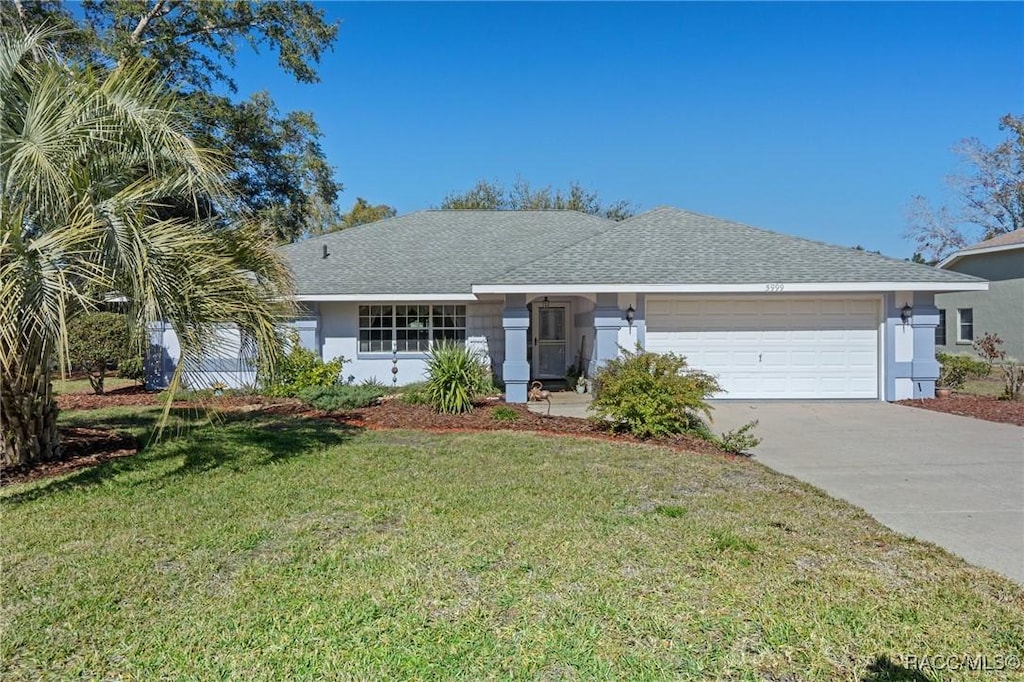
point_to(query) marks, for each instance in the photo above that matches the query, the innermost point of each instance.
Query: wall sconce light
(545, 303)
(905, 312)
(630, 316)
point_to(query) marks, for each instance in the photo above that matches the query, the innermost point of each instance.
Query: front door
(550, 342)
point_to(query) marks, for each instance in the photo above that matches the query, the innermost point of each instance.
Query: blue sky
(820, 120)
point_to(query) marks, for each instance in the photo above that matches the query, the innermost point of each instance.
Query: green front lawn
(274, 548)
(991, 386)
(81, 384)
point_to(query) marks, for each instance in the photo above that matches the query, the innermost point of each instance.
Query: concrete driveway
(954, 481)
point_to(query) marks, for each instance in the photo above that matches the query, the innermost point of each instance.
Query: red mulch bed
(137, 396)
(979, 407)
(129, 395)
(81, 447)
(394, 414)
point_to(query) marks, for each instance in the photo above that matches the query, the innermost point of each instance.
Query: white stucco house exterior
(774, 316)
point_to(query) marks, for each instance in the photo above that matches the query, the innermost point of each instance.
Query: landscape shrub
(97, 342)
(455, 375)
(1013, 379)
(954, 370)
(988, 347)
(504, 413)
(132, 366)
(653, 394)
(300, 369)
(414, 394)
(739, 441)
(341, 396)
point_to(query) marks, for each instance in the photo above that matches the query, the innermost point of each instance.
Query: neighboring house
(773, 316)
(967, 315)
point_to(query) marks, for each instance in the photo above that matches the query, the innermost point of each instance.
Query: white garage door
(773, 348)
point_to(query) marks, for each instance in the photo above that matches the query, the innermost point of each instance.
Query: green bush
(739, 441)
(300, 369)
(504, 413)
(1013, 379)
(455, 375)
(98, 342)
(414, 394)
(341, 396)
(132, 366)
(653, 394)
(954, 370)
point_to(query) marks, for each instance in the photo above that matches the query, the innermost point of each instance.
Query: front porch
(550, 335)
(564, 404)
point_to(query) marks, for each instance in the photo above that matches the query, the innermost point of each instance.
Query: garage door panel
(868, 309)
(803, 359)
(797, 348)
(863, 358)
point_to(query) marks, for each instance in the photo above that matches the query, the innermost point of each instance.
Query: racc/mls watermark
(963, 661)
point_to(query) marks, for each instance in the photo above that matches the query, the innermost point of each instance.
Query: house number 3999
(774, 287)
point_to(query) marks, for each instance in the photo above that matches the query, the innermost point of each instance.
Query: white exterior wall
(583, 332)
(225, 363)
(903, 348)
(339, 337)
(629, 336)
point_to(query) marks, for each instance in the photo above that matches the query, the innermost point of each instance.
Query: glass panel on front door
(551, 346)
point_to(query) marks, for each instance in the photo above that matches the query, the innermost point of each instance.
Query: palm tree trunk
(28, 416)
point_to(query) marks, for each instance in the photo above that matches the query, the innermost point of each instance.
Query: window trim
(959, 327)
(432, 310)
(940, 328)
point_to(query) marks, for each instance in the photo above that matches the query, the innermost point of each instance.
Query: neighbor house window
(409, 328)
(965, 326)
(940, 331)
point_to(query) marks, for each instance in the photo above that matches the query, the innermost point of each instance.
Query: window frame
(960, 338)
(458, 313)
(940, 329)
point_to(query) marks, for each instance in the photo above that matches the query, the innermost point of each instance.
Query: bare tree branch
(140, 28)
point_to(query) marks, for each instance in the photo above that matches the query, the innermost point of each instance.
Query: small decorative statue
(537, 393)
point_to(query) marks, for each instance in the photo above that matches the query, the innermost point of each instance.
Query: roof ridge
(764, 230)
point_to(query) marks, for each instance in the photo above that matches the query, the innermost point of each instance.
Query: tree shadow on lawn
(231, 442)
(228, 439)
(884, 669)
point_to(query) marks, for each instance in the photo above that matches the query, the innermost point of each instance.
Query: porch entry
(550, 331)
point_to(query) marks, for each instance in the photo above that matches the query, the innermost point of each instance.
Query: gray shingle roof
(447, 252)
(433, 252)
(671, 246)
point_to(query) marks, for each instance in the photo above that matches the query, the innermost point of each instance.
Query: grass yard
(273, 548)
(990, 386)
(79, 385)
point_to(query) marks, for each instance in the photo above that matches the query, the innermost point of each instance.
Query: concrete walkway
(954, 481)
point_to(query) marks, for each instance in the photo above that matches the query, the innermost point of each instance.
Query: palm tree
(103, 193)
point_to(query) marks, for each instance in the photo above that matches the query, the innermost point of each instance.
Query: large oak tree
(277, 167)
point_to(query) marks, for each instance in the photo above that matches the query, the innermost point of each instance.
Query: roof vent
(326, 252)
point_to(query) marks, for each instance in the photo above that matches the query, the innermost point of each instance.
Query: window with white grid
(409, 328)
